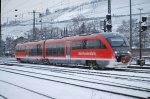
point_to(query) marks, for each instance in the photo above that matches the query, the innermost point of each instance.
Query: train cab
(120, 46)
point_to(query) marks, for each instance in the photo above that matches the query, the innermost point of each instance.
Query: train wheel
(92, 65)
(45, 61)
(19, 60)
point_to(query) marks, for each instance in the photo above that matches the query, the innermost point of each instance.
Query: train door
(27, 53)
(68, 51)
(26, 48)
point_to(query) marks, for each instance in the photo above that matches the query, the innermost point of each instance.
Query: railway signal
(143, 24)
(108, 23)
(142, 28)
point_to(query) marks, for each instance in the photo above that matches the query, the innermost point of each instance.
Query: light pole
(109, 7)
(0, 39)
(140, 38)
(41, 23)
(130, 26)
(42, 27)
(108, 17)
(15, 15)
(141, 61)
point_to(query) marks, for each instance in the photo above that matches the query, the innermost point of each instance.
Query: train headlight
(129, 52)
(116, 52)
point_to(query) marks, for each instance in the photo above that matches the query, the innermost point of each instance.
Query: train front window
(118, 42)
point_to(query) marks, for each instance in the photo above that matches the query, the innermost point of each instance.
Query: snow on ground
(147, 60)
(64, 91)
(12, 92)
(53, 89)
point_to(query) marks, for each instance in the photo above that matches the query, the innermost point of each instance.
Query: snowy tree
(80, 26)
(147, 34)
(9, 43)
(29, 35)
(91, 27)
(76, 23)
(9, 46)
(125, 29)
(3, 47)
(82, 29)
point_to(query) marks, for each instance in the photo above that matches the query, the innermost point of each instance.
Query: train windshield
(118, 41)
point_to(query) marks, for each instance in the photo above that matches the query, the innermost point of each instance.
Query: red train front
(96, 50)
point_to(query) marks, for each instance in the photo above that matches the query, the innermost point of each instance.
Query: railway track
(35, 92)
(135, 70)
(130, 69)
(30, 74)
(3, 97)
(131, 87)
(88, 72)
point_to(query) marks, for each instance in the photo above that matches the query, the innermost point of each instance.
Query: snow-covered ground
(147, 60)
(53, 89)
(14, 86)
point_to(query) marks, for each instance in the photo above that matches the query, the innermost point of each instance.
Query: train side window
(39, 49)
(55, 49)
(20, 48)
(47, 49)
(60, 49)
(33, 50)
(31, 53)
(17, 48)
(77, 45)
(95, 44)
(102, 45)
(84, 44)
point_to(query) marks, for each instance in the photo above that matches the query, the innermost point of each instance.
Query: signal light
(109, 26)
(143, 24)
(144, 27)
(108, 17)
(144, 19)
(107, 23)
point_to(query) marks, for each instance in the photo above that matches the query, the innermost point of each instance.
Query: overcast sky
(25, 6)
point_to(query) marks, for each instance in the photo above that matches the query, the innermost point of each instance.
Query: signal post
(142, 28)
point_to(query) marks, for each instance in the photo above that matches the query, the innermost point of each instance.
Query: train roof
(110, 34)
(28, 43)
(105, 34)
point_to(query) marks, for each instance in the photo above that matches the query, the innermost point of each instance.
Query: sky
(25, 6)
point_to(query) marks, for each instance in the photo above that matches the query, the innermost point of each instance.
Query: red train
(95, 50)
